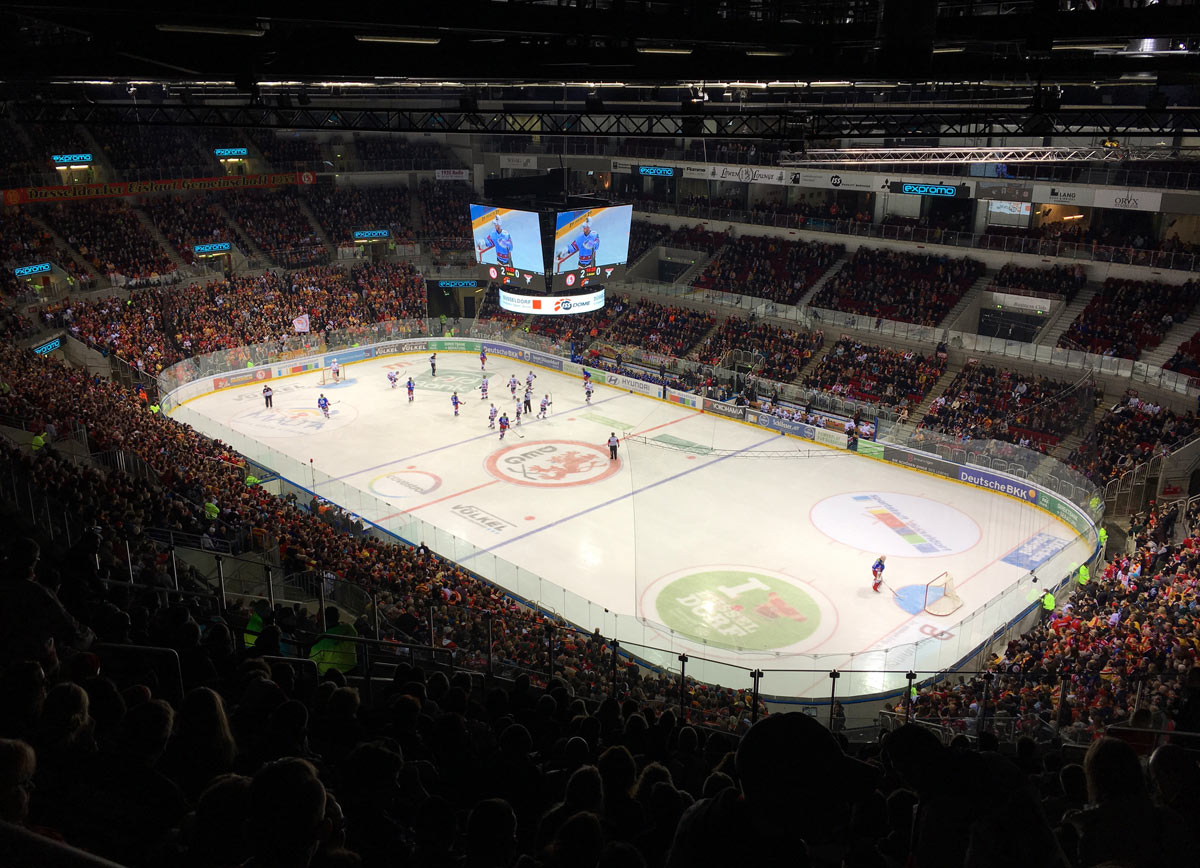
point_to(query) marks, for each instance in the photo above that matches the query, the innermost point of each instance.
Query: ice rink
(743, 555)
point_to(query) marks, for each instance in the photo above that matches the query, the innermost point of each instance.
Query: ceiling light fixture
(209, 31)
(664, 51)
(764, 52)
(403, 40)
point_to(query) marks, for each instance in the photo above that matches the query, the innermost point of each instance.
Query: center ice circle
(895, 524)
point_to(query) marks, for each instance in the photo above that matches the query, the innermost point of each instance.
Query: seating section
(582, 328)
(287, 150)
(876, 374)
(1127, 317)
(911, 287)
(274, 220)
(23, 242)
(642, 236)
(1186, 359)
(50, 139)
(142, 151)
(988, 403)
(770, 268)
(1064, 280)
(445, 212)
(110, 236)
(17, 162)
(785, 351)
(405, 154)
(1129, 434)
(695, 238)
(187, 222)
(665, 329)
(342, 210)
(161, 327)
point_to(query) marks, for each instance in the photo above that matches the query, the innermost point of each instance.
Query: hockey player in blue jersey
(586, 243)
(877, 573)
(500, 241)
(410, 389)
(323, 405)
(482, 358)
(454, 399)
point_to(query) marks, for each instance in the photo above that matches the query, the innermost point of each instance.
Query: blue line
(452, 445)
(611, 501)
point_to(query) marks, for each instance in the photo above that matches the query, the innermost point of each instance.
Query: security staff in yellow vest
(330, 652)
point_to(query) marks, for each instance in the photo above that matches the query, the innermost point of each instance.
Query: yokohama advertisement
(23, 195)
(241, 379)
(722, 409)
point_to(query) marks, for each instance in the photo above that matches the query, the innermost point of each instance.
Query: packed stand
(445, 212)
(1186, 359)
(988, 403)
(771, 268)
(664, 329)
(877, 375)
(491, 320)
(695, 238)
(109, 236)
(811, 209)
(581, 329)
(275, 221)
(1132, 432)
(642, 236)
(1127, 317)
(342, 210)
(918, 288)
(186, 222)
(51, 139)
(151, 152)
(784, 351)
(392, 149)
(289, 151)
(23, 242)
(162, 327)
(1064, 280)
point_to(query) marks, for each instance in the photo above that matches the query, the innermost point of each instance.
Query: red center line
(440, 499)
(656, 427)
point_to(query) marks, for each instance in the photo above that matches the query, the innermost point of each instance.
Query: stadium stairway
(62, 242)
(99, 155)
(1176, 335)
(244, 240)
(166, 245)
(688, 277)
(316, 225)
(939, 388)
(1057, 327)
(972, 294)
(1069, 443)
(833, 269)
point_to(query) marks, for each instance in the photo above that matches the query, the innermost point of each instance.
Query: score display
(591, 246)
(508, 243)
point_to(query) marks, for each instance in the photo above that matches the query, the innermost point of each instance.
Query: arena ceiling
(776, 68)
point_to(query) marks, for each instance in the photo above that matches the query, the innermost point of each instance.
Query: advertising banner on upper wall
(1006, 191)
(1128, 200)
(68, 193)
(452, 175)
(518, 161)
(1059, 194)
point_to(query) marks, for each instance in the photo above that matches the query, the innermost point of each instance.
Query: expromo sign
(551, 305)
(945, 191)
(48, 347)
(371, 234)
(218, 247)
(63, 159)
(231, 152)
(27, 270)
(657, 171)
(458, 284)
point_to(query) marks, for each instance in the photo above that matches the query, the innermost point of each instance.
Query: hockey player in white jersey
(545, 405)
(492, 417)
(483, 388)
(393, 378)
(529, 378)
(512, 385)
(588, 388)
(518, 419)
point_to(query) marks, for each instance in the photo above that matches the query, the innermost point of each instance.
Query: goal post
(327, 377)
(940, 596)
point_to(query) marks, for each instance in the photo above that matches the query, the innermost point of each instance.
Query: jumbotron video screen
(591, 246)
(508, 244)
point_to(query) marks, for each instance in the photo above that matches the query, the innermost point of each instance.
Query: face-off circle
(552, 464)
(891, 523)
(739, 608)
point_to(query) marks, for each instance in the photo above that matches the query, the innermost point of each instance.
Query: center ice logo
(552, 464)
(292, 421)
(735, 607)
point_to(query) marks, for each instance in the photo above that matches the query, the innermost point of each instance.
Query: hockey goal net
(327, 376)
(940, 596)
